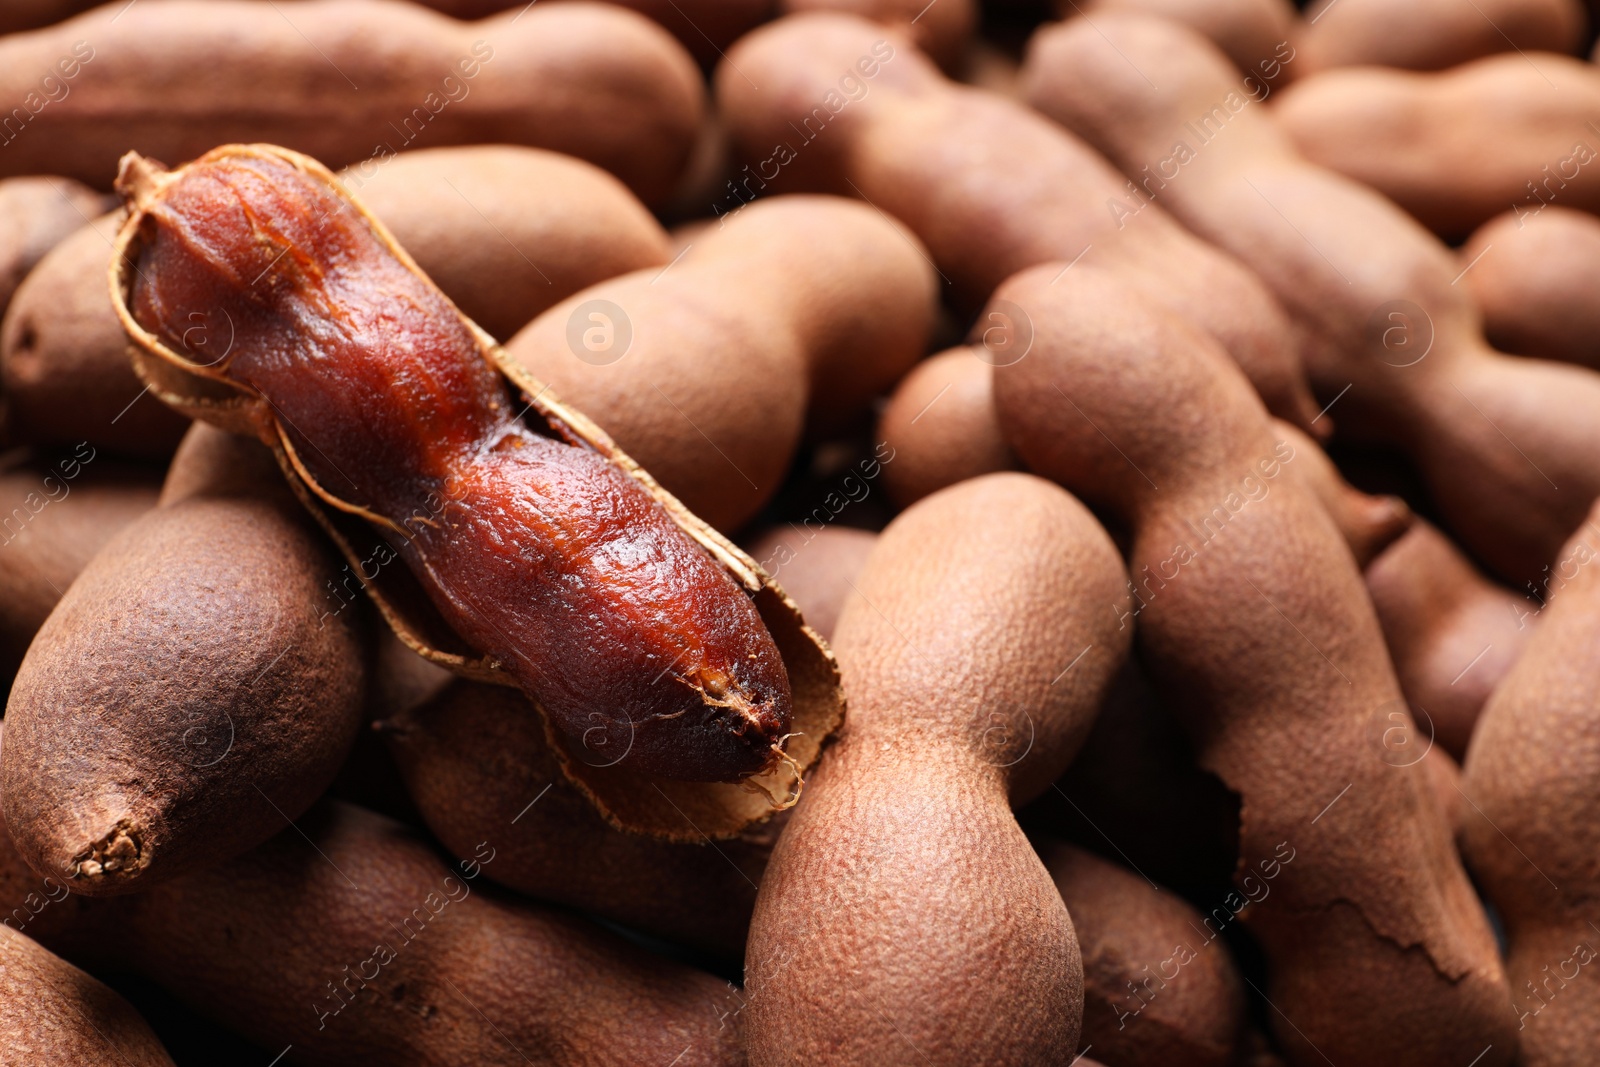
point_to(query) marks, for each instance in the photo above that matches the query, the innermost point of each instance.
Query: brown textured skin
(904, 917)
(187, 695)
(64, 370)
(942, 29)
(1458, 147)
(797, 308)
(1255, 624)
(174, 78)
(472, 976)
(1509, 448)
(476, 761)
(53, 1013)
(988, 186)
(1249, 32)
(1532, 839)
(51, 526)
(36, 214)
(1435, 34)
(507, 231)
(940, 422)
(1156, 990)
(1452, 633)
(815, 567)
(1532, 277)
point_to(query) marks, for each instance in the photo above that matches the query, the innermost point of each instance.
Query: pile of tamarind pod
(859, 533)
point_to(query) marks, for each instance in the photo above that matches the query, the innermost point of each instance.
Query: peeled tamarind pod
(195, 687)
(1509, 448)
(51, 1012)
(903, 875)
(476, 762)
(1255, 34)
(347, 79)
(358, 945)
(803, 307)
(64, 371)
(816, 565)
(36, 214)
(56, 512)
(1254, 622)
(502, 255)
(1434, 34)
(1532, 276)
(538, 543)
(1453, 634)
(1460, 146)
(1157, 987)
(941, 30)
(1529, 833)
(940, 422)
(987, 185)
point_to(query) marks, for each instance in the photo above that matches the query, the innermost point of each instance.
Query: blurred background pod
(591, 80)
(791, 314)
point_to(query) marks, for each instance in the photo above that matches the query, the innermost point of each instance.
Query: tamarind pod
(975, 651)
(650, 630)
(590, 80)
(64, 372)
(1518, 123)
(1369, 524)
(196, 686)
(476, 762)
(36, 214)
(357, 944)
(43, 908)
(1435, 34)
(940, 422)
(51, 1012)
(1131, 934)
(1252, 616)
(464, 214)
(1135, 792)
(1452, 633)
(1530, 276)
(817, 565)
(942, 30)
(1529, 833)
(803, 307)
(1506, 446)
(56, 512)
(988, 186)
(1254, 34)
(701, 26)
